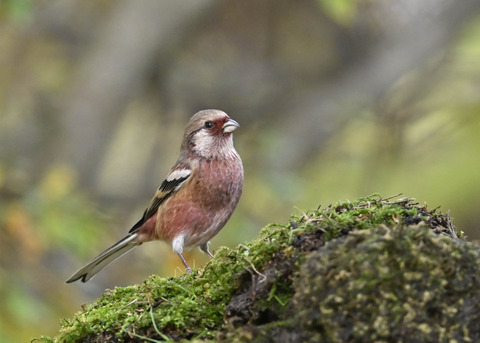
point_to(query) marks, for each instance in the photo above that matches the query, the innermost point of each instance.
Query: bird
(196, 199)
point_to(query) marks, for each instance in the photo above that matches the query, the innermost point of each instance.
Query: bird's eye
(209, 124)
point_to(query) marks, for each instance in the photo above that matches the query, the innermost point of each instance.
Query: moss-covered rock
(392, 285)
(372, 270)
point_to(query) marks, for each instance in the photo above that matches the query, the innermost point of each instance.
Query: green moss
(366, 213)
(389, 284)
(246, 293)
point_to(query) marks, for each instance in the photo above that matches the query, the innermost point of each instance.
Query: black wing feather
(167, 188)
(170, 185)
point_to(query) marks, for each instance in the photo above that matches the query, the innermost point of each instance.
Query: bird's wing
(174, 181)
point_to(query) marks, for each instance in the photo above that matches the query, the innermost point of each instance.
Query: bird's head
(209, 134)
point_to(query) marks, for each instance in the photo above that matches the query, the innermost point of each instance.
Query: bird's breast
(202, 206)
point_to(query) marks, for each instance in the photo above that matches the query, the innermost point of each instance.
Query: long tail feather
(106, 257)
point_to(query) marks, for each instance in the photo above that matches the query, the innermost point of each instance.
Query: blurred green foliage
(52, 221)
(342, 11)
(16, 9)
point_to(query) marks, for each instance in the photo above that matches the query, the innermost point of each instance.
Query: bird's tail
(106, 257)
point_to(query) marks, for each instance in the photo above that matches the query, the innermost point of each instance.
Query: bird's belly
(197, 224)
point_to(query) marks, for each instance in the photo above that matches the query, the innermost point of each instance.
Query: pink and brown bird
(195, 200)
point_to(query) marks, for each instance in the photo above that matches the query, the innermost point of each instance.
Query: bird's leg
(187, 267)
(205, 249)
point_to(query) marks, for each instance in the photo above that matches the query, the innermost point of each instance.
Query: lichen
(373, 269)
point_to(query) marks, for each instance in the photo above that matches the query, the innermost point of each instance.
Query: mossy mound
(401, 284)
(372, 270)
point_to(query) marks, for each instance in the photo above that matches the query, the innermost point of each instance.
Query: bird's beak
(230, 126)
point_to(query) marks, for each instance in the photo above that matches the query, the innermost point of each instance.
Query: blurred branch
(323, 109)
(114, 71)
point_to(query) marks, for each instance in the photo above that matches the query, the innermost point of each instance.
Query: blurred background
(336, 99)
